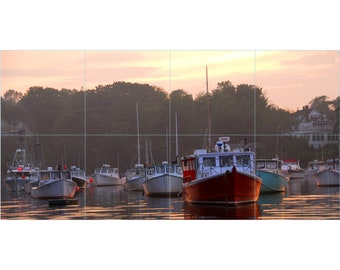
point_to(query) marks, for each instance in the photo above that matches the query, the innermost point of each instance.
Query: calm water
(302, 200)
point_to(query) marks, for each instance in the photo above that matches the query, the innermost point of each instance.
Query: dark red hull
(228, 188)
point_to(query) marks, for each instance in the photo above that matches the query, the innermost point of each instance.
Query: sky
(290, 79)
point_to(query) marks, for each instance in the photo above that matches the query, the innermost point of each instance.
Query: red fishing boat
(221, 176)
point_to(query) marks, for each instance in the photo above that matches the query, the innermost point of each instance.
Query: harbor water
(302, 200)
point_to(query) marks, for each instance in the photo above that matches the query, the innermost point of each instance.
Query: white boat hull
(165, 184)
(135, 183)
(30, 185)
(328, 178)
(107, 180)
(61, 188)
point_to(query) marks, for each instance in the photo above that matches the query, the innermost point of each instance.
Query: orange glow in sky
(290, 79)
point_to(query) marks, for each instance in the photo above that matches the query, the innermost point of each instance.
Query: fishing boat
(330, 176)
(163, 180)
(272, 178)
(135, 177)
(54, 184)
(108, 176)
(315, 166)
(291, 168)
(78, 176)
(20, 171)
(221, 176)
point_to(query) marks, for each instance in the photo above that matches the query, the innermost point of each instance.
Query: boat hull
(272, 182)
(328, 178)
(225, 188)
(163, 185)
(135, 183)
(81, 182)
(30, 185)
(55, 189)
(15, 184)
(107, 180)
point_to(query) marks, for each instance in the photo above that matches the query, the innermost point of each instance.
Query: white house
(314, 126)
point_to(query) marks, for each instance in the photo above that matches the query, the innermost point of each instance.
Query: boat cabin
(165, 168)
(106, 169)
(268, 164)
(290, 164)
(54, 174)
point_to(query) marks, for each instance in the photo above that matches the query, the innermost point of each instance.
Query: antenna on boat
(176, 138)
(209, 116)
(138, 145)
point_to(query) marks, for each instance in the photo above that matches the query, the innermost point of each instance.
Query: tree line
(88, 128)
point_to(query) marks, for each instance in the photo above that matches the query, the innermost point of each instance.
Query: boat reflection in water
(271, 198)
(209, 211)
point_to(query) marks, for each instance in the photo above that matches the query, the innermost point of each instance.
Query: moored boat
(330, 176)
(163, 180)
(108, 176)
(291, 168)
(78, 176)
(220, 177)
(20, 171)
(315, 166)
(54, 184)
(272, 178)
(135, 178)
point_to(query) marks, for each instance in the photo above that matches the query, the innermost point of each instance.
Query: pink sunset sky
(290, 79)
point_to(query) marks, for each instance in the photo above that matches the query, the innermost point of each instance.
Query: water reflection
(303, 199)
(201, 211)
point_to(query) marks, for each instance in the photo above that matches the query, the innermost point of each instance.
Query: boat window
(151, 171)
(242, 160)
(179, 170)
(45, 176)
(55, 175)
(271, 165)
(159, 169)
(260, 165)
(188, 164)
(209, 162)
(226, 161)
(170, 169)
(66, 175)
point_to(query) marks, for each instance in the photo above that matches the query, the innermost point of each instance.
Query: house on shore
(314, 126)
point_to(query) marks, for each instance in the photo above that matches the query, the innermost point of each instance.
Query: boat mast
(138, 145)
(176, 138)
(209, 116)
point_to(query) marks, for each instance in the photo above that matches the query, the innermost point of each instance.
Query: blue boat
(272, 178)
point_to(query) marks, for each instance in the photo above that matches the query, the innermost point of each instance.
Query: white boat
(330, 176)
(20, 171)
(135, 177)
(108, 176)
(291, 168)
(163, 180)
(54, 184)
(315, 166)
(78, 176)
